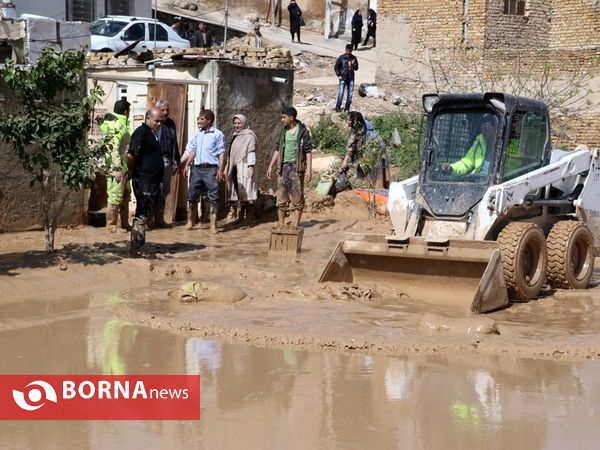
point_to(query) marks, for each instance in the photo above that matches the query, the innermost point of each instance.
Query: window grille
(514, 7)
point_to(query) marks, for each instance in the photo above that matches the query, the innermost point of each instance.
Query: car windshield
(462, 144)
(107, 27)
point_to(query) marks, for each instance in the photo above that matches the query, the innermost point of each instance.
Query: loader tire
(570, 255)
(524, 259)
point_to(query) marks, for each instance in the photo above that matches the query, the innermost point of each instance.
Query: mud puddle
(261, 398)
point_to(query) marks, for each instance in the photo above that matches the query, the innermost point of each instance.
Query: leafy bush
(406, 155)
(330, 137)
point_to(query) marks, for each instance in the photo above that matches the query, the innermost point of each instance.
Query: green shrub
(330, 137)
(405, 156)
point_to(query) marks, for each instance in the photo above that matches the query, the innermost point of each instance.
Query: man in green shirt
(294, 164)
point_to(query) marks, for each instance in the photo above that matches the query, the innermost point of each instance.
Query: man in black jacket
(167, 136)
(345, 66)
(145, 164)
(203, 38)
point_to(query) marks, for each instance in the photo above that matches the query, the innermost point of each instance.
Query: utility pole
(226, 19)
(327, 19)
(155, 25)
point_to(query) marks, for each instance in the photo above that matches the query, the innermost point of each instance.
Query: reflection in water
(273, 399)
(398, 377)
(202, 356)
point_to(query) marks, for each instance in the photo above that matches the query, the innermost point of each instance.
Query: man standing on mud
(167, 136)
(146, 166)
(116, 128)
(208, 147)
(294, 164)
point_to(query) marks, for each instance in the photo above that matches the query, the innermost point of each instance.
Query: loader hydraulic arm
(514, 192)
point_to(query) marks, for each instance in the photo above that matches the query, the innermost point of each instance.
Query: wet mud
(250, 295)
(263, 398)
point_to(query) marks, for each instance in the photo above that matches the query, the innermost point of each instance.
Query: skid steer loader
(493, 214)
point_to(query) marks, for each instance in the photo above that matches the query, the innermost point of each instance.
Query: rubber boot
(192, 215)
(234, 214)
(111, 218)
(124, 215)
(138, 235)
(213, 223)
(159, 219)
(204, 217)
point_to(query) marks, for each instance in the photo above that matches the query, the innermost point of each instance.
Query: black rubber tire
(570, 255)
(524, 259)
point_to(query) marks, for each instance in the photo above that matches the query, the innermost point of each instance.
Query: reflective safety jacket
(473, 159)
(116, 126)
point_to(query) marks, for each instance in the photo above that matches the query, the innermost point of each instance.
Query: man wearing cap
(474, 160)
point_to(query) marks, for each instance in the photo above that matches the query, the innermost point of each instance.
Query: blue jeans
(345, 85)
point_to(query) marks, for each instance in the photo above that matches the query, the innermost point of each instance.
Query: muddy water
(258, 398)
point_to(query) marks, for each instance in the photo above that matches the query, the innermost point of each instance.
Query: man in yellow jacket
(473, 161)
(116, 127)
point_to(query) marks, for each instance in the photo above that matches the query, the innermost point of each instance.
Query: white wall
(57, 8)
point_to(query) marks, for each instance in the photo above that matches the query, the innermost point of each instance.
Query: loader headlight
(429, 102)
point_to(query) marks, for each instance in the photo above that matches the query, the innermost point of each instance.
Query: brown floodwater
(264, 398)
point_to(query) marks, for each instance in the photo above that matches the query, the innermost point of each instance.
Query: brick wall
(459, 45)
(575, 24)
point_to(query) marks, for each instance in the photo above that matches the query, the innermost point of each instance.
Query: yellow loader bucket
(453, 272)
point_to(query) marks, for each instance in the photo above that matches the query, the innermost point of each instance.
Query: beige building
(459, 45)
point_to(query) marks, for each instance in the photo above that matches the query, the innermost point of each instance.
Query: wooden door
(177, 96)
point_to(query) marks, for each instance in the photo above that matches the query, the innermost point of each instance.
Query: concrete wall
(463, 41)
(20, 204)
(57, 10)
(251, 92)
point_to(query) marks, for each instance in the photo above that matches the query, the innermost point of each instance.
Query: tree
(49, 131)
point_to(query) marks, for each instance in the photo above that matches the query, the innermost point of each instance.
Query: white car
(114, 33)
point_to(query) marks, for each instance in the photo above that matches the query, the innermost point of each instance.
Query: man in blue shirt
(208, 147)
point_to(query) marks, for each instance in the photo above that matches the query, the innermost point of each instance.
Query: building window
(118, 7)
(80, 10)
(514, 7)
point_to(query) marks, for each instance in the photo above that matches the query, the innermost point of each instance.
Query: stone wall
(260, 100)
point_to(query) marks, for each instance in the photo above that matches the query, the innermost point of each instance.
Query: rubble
(268, 56)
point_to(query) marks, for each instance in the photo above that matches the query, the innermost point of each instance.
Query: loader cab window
(526, 144)
(462, 146)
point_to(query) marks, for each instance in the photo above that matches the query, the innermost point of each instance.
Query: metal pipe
(155, 25)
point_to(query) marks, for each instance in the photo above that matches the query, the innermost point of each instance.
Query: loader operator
(474, 161)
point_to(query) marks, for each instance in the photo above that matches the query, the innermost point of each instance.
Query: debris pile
(269, 57)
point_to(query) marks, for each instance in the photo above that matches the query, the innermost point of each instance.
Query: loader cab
(459, 159)
(474, 141)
